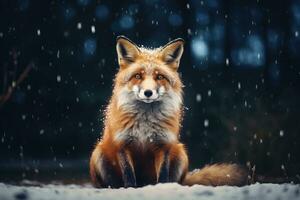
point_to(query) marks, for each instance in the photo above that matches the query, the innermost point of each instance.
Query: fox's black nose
(148, 93)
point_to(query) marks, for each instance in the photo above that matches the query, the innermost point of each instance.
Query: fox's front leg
(178, 163)
(127, 168)
(171, 164)
(162, 166)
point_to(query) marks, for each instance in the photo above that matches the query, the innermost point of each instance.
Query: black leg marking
(164, 169)
(127, 171)
(176, 171)
(109, 176)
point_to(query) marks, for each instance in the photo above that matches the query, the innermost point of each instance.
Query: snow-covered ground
(158, 192)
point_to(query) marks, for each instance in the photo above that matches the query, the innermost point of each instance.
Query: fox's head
(148, 75)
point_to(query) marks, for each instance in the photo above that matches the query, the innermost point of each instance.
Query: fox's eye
(160, 77)
(137, 76)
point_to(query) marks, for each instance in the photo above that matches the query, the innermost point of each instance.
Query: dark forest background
(240, 69)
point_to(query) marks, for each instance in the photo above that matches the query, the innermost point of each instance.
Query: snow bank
(170, 191)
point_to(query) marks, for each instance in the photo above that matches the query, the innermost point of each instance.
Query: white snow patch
(170, 191)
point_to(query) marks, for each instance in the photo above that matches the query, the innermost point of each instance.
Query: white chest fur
(147, 128)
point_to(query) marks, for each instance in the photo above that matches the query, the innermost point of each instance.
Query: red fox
(140, 144)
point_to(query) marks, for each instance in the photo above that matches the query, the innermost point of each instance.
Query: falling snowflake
(227, 62)
(58, 78)
(209, 93)
(206, 123)
(281, 133)
(79, 25)
(93, 29)
(58, 54)
(198, 97)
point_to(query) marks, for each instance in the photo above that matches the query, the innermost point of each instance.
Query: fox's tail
(218, 174)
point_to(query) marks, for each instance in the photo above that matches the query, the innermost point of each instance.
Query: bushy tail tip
(218, 174)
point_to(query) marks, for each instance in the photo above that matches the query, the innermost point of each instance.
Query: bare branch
(9, 91)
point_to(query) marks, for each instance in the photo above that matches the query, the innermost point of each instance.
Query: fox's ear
(127, 51)
(172, 52)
